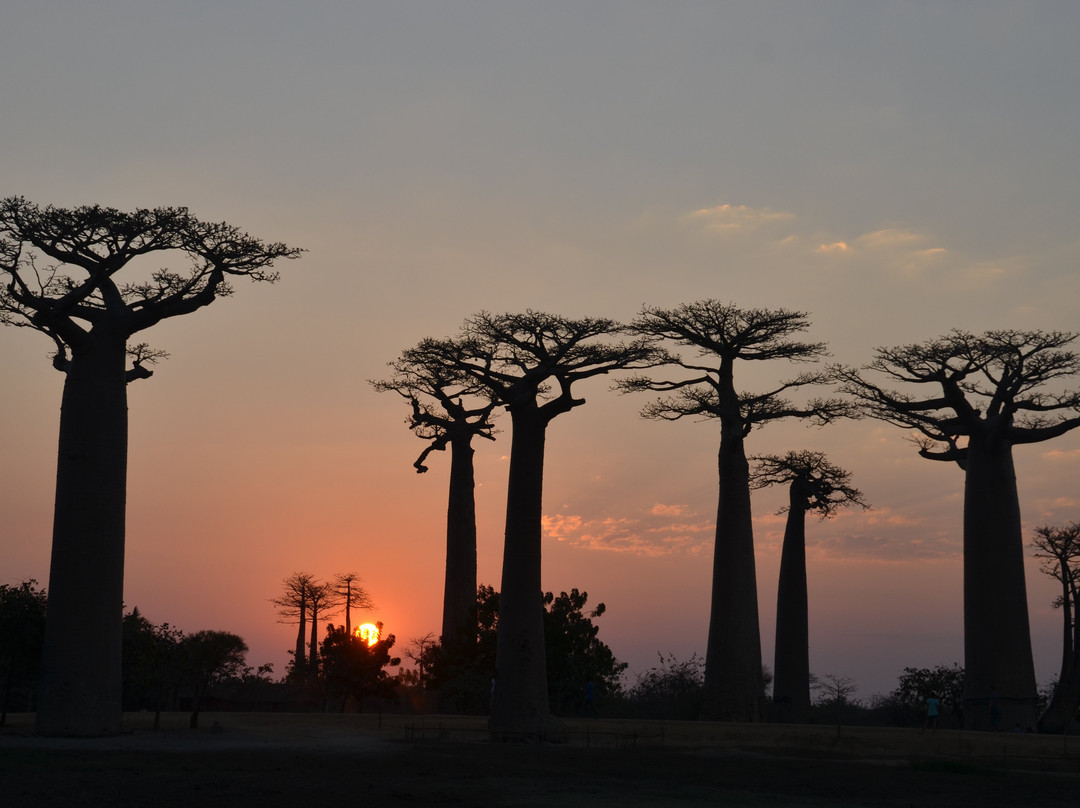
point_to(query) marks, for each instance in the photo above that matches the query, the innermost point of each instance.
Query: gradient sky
(896, 169)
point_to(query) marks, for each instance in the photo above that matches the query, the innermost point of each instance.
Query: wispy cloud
(663, 529)
(731, 218)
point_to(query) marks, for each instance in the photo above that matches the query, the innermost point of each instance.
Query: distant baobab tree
(814, 484)
(293, 607)
(717, 336)
(84, 277)
(448, 409)
(985, 394)
(347, 594)
(1058, 548)
(528, 363)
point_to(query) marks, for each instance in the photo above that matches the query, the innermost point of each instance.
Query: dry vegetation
(239, 759)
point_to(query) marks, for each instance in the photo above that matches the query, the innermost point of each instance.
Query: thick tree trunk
(300, 656)
(734, 690)
(791, 666)
(519, 703)
(997, 636)
(80, 692)
(1066, 698)
(313, 648)
(459, 591)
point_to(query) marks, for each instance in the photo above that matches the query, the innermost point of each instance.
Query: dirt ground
(265, 760)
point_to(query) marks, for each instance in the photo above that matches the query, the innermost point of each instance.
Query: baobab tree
(719, 335)
(346, 593)
(988, 393)
(293, 607)
(814, 485)
(528, 363)
(1058, 548)
(447, 410)
(83, 277)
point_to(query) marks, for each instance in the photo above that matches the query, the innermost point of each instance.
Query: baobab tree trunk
(1066, 698)
(459, 591)
(519, 703)
(300, 657)
(997, 635)
(791, 666)
(80, 688)
(734, 690)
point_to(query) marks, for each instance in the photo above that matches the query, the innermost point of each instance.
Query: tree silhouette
(988, 394)
(346, 593)
(719, 335)
(814, 484)
(207, 658)
(61, 271)
(1058, 548)
(293, 606)
(447, 409)
(529, 363)
(22, 635)
(353, 669)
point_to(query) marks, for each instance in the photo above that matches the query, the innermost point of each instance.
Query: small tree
(73, 275)
(835, 691)
(353, 668)
(672, 690)
(576, 657)
(22, 636)
(1058, 548)
(814, 484)
(946, 682)
(151, 663)
(208, 658)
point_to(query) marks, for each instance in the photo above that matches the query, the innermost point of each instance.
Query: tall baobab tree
(293, 606)
(529, 363)
(1058, 548)
(346, 593)
(85, 278)
(987, 393)
(447, 410)
(320, 600)
(719, 335)
(814, 484)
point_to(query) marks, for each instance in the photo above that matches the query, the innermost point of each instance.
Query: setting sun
(369, 632)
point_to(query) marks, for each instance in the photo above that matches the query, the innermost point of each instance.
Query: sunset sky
(895, 169)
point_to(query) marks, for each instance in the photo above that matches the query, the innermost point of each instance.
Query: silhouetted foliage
(835, 693)
(22, 635)
(1058, 548)
(715, 337)
(208, 658)
(347, 594)
(151, 669)
(981, 395)
(946, 682)
(353, 669)
(575, 655)
(86, 278)
(672, 690)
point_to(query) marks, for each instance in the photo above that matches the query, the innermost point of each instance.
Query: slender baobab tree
(814, 484)
(87, 278)
(528, 363)
(448, 409)
(718, 336)
(346, 593)
(985, 394)
(293, 606)
(1058, 548)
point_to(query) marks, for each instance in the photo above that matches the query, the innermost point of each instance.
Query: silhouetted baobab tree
(293, 606)
(719, 335)
(447, 410)
(987, 394)
(1059, 550)
(60, 270)
(814, 484)
(346, 593)
(529, 363)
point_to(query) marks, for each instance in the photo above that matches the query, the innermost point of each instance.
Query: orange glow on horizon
(369, 633)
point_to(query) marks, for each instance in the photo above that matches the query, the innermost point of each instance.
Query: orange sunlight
(369, 632)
